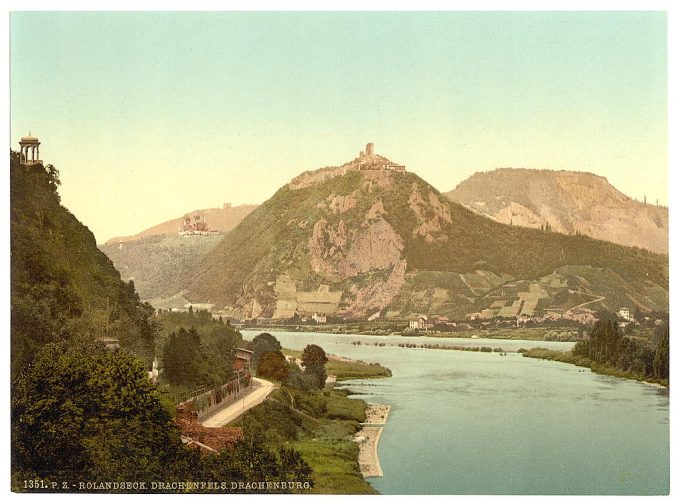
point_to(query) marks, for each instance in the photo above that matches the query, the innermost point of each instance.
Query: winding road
(259, 392)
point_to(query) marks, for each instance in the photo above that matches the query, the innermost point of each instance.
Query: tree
(84, 413)
(187, 361)
(314, 361)
(273, 365)
(604, 339)
(660, 364)
(180, 356)
(262, 344)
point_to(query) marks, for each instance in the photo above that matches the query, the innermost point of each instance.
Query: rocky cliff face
(570, 202)
(353, 242)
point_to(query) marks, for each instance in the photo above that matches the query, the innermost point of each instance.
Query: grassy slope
(321, 427)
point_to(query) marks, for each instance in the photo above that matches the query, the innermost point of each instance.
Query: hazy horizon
(151, 115)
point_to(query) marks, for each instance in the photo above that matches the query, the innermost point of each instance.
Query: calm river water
(481, 423)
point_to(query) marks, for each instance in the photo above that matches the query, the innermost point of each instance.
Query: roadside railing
(205, 400)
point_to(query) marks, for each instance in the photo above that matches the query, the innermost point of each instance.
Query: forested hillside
(63, 286)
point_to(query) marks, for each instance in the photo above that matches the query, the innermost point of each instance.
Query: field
(321, 426)
(349, 369)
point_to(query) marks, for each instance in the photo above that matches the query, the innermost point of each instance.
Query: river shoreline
(505, 333)
(594, 367)
(368, 438)
(441, 442)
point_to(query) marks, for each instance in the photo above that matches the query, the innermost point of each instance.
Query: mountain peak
(367, 161)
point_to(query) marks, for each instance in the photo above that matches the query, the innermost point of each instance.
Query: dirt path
(259, 392)
(596, 300)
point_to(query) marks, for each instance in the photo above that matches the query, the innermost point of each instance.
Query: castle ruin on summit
(369, 160)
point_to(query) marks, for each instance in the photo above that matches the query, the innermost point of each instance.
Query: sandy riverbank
(368, 437)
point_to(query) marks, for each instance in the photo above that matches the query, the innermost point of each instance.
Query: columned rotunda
(30, 150)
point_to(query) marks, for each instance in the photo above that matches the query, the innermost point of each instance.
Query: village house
(242, 358)
(420, 323)
(319, 319)
(624, 313)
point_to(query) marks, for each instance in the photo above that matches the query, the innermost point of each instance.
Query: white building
(624, 313)
(419, 323)
(153, 374)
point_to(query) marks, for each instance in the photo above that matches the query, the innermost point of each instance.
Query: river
(482, 423)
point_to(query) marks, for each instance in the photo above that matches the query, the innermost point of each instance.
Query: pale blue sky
(150, 115)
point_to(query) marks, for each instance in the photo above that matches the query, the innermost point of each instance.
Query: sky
(150, 115)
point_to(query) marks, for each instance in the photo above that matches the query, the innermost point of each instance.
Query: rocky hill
(570, 202)
(219, 219)
(364, 238)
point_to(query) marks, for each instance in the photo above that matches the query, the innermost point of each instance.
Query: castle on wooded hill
(368, 160)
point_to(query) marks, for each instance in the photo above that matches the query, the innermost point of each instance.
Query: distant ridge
(220, 219)
(570, 202)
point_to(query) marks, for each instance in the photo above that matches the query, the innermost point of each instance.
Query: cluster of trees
(203, 354)
(81, 413)
(606, 345)
(270, 363)
(187, 361)
(207, 326)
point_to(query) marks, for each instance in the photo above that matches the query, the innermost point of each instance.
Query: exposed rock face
(431, 214)
(570, 202)
(310, 178)
(378, 295)
(337, 252)
(340, 204)
(369, 165)
(366, 240)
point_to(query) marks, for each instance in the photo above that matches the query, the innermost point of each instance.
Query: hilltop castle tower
(30, 150)
(369, 160)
